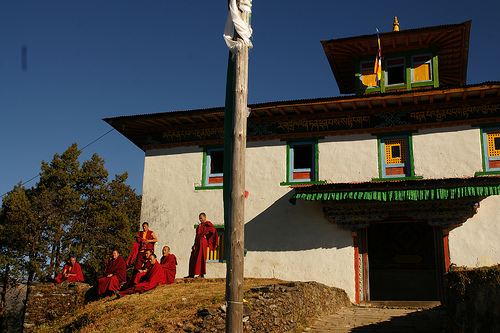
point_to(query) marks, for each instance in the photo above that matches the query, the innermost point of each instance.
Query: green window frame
(400, 69)
(212, 168)
(302, 162)
(219, 254)
(367, 74)
(394, 69)
(421, 68)
(490, 149)
(395, 157)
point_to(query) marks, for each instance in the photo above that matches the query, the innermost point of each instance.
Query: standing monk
(154, 276)
(146, 239)
(71, 272)
(169, 263)
(115, 273)
(206, 236)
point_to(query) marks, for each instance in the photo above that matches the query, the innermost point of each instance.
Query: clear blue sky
(88, 60)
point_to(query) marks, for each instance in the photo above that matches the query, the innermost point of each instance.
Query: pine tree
(72, 210)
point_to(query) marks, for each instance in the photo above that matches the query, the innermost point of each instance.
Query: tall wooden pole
(236, 206)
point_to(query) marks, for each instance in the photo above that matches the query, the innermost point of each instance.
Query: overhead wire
(99, 138)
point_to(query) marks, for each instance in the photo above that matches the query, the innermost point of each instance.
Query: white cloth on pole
(235, 22)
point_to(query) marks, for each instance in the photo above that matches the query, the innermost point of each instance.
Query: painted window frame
(408, 163)
(415, 63)
(360, 82)
(290, 170)
(408, 57)
(219, 255)
(206, 175)
(485, 150)
(386, 68)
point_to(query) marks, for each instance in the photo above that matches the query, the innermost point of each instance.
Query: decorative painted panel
(317, 127)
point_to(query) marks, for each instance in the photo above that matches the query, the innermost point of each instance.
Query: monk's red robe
(144, 264)
(153, 278)
(139, 246)
(206, 236)
(75, 269)
(118, 268)
(139, 276)
(169, 264)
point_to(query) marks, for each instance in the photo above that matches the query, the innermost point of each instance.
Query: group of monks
(148, 271)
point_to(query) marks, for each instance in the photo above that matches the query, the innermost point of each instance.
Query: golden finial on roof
(395, 25)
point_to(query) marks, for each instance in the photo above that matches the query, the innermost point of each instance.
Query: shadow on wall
(286, 227)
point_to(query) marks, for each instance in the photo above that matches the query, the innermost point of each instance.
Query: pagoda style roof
(344, 115)
(451, 42)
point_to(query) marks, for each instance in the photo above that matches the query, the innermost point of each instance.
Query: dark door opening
(402, 262)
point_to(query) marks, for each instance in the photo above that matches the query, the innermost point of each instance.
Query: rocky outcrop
(47, 302)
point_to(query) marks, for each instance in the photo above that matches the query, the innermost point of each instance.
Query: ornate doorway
(402, 262)
(400, 247)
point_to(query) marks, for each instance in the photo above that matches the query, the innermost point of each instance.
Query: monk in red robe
(169, 263)
(146, 239)
(154, 276)
(115, 273)
(206, 237)
(140, 269)
(71, 272)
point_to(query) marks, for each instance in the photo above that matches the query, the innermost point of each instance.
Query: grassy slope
(158, 310)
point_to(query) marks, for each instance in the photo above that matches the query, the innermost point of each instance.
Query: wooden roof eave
(136, 128)
(277, 108)
(355, 102)
(465, 54)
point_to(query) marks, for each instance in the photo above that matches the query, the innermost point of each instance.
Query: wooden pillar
(235, 268)
(446, 249)
(355, 244)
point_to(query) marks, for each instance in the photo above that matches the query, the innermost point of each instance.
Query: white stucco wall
(283, 241)
(475, 243)
(352, 158)
(297, 242)
(447, 153)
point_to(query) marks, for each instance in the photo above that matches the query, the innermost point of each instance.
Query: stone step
(401, 304)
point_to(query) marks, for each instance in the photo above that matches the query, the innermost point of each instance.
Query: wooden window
(213, 167)
(491, 150)
(368, 75)
(421, 68)
(219, 254)
(395, 157)
(493, 138)
(395, 71)
(395, 151)
(301, 162)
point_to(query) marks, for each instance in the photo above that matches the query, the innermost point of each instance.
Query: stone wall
(285, 307)
(47, 302)
(473, 299)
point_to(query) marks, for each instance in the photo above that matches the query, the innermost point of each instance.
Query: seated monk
(153, 277)
(71, 272)
(115, 273)
(140, 269)
(146, 239)
(169, 263)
